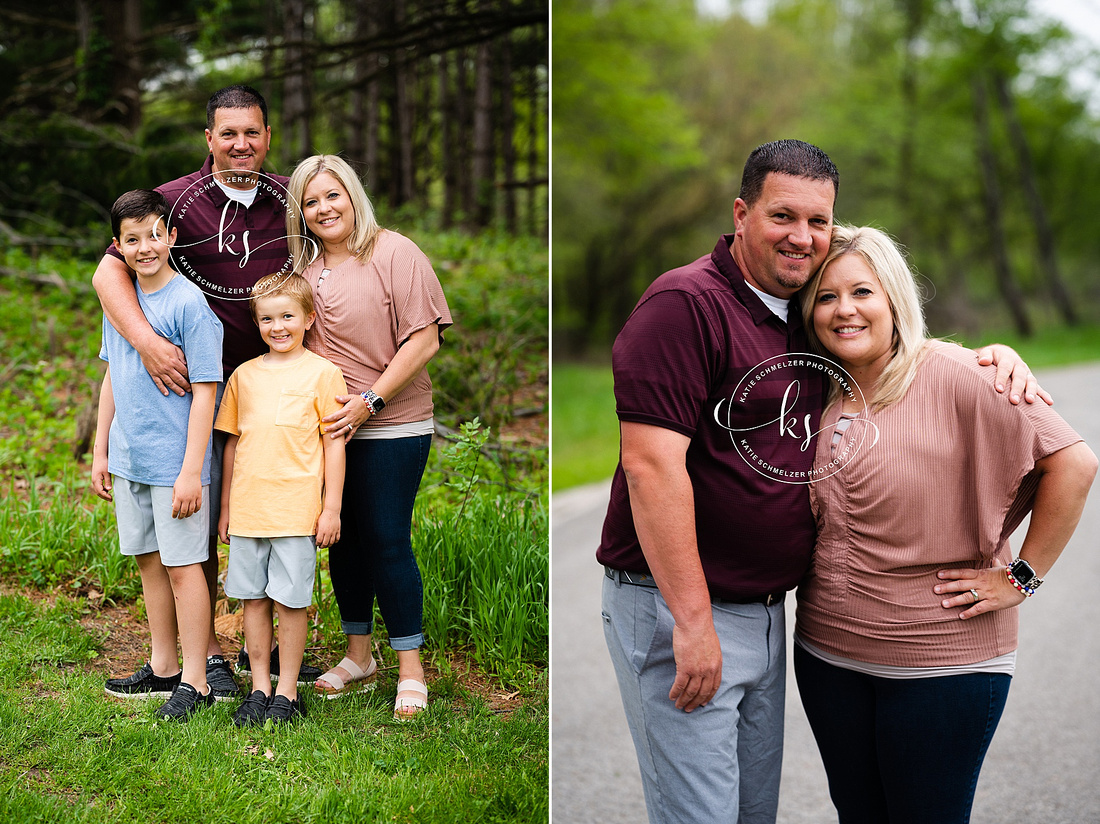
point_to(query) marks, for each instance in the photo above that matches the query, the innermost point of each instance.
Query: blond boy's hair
(293, 286)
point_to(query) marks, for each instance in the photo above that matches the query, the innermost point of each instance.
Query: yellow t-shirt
(279, 465)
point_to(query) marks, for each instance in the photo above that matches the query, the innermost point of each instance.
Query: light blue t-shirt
(148, 435)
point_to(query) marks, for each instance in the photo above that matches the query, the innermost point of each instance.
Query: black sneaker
(282, 710)
(252, 710)
(143, 684)
(306, 675)
(219, 675)
(184, 702)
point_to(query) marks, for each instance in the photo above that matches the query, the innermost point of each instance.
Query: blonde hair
(303, 244)
(294, 286)
(887, 261)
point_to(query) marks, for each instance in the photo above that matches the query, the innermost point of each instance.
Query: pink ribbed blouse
(364, 313)
(947, 482)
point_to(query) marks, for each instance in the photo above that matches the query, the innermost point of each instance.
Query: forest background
(968, 129)
(443, 108)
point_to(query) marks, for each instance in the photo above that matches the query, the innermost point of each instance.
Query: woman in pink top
(380, 318)
(909, 608)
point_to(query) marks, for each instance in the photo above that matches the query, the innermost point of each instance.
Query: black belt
(641, 579)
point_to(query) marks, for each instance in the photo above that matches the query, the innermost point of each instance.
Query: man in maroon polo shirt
(709, 521)
(230, 219)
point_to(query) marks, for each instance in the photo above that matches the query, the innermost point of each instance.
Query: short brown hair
(138, 204)
(270, 286)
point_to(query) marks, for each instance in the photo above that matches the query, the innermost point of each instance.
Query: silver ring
(974, 592)
(349, 430)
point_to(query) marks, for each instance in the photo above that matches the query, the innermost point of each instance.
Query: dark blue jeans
(374, 554)
(900, 751)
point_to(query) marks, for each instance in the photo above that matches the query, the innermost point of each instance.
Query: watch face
(1023, 572)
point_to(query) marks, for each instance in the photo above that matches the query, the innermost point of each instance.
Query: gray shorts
(281, 569)
(145, 524)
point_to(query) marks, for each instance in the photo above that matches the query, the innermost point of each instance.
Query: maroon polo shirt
(214, 237)
(703, 356)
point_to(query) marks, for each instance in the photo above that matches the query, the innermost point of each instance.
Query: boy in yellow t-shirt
(281, 488)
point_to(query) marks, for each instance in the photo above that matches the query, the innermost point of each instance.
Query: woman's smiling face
(328, 210)
(852, 316)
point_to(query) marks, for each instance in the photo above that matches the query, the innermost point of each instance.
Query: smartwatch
(374, 403)
(1023, 572)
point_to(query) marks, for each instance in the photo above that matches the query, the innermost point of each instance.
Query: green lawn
(70, 754)
(1052, 346)
(585, 440)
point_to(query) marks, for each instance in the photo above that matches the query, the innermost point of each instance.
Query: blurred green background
(965, 128)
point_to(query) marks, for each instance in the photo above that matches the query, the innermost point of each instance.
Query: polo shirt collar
(219, 197)
(759, 312)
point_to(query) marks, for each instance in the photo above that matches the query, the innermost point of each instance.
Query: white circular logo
(230, 236)
(770, 412)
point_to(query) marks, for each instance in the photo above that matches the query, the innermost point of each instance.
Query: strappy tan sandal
(331, 685)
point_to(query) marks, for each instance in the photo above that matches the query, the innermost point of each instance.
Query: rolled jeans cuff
(357, 627)
(407, 642)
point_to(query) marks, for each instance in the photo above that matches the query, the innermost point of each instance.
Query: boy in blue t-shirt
(159, 455)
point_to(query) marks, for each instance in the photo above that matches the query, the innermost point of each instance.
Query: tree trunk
(123, 29)
(533, 149)
(462, 110)
(992, 200)
(402, 114)
(507, 133)
(914, 20)
(1048, 261)
(297, 133)
(482, 178)
(449, 150)
(355, 140)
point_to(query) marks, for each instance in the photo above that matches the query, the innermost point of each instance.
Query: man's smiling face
(783, 237)
(239, 142)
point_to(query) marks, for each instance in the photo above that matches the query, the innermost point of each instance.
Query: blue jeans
(900, 751)
(718, 763)
(374, 554)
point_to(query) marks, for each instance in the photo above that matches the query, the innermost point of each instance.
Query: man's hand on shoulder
(1013, 374)
(165, 363)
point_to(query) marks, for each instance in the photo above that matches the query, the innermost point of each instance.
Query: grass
(1052, 346)
(68, 754)
(586, 431)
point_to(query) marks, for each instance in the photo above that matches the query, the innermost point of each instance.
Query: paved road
(1043, 766)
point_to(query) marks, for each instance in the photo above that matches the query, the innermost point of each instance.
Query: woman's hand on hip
(978, 590)
(347, 420)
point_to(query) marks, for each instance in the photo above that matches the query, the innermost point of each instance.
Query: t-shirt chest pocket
(296, 409)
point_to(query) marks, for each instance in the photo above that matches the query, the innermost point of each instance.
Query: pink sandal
(412, 698)
(331, 685)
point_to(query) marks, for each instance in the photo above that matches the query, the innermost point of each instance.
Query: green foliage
(52, 535)
(464, 454)
(496, 289)
(486, 581)
(49, 369)
(69, 754)
(586, 430)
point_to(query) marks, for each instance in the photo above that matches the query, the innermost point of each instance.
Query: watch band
(374, 403)
(1023, 576)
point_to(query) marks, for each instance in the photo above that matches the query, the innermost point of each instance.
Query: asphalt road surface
(1043, 766)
